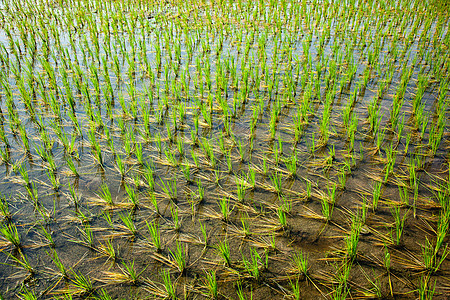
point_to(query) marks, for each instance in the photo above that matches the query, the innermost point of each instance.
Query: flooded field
(224, 149)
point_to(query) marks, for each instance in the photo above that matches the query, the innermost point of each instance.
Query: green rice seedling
(342, 178)
(129, 273)
(27, 295)
(148, 175)
(153, 201)
(195, 159)
(102, 295)
(58, 263)
(425, 290)
(87, 234)
(291, 164)
(286, 204)
(158, 142)
(47, 236)
(128, 222)
(295, 289)
(171, 158)
(175, 217)
(4, 210)
(276, 182)
(251, 178)
(5, 155)
(120, 166)
(241, 150)
(204, 233)
(399, 223)
(107, 249)
(429, 258)
(169, 189)
(241, 189)
(53, 180)
(404, 194)
(105, 195)
(224, 205)
(139, 154)
(300, 263)
(179, 257)
(11, 234)
(107, 217)
(80, 284)
(376, 194)
(240, 292)
(312, 144)
(153, 229)
(185, 168)
(352, 239)
(22, 262)
(245, 225)
(171, 292)
(327, 209)
(282, 217)
(24, 173)
(132, 196)
(200, 191)
(211, 284)
(24, 137)
(224, 252)
(180, 147)
(72, 168)
(73, 196)
(252, 267)
(332, 194)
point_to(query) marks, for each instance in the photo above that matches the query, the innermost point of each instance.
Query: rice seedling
(240, 292)
(241, 188)
(105, 196)
(425, 290)
(169, 287)
(132, 196)
(211, 284)
(175, 217)
(80, 284)
(327, 209)
(352, 239)
(58, 263)
(47, 237)
(169, 189)
(22, 262)
(4, 210)
(376, 195)
(27, 295)
(399, 223)
(295, 289)
(276, 182)
(11, 235)
(128, 275)
(224, 251)
(300, 263)
(107, 249)
(252, 267)
(128, 223)
(224, 206)
(179, 257)
(153, 229)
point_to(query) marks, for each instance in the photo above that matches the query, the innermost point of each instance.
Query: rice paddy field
(224, 149)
